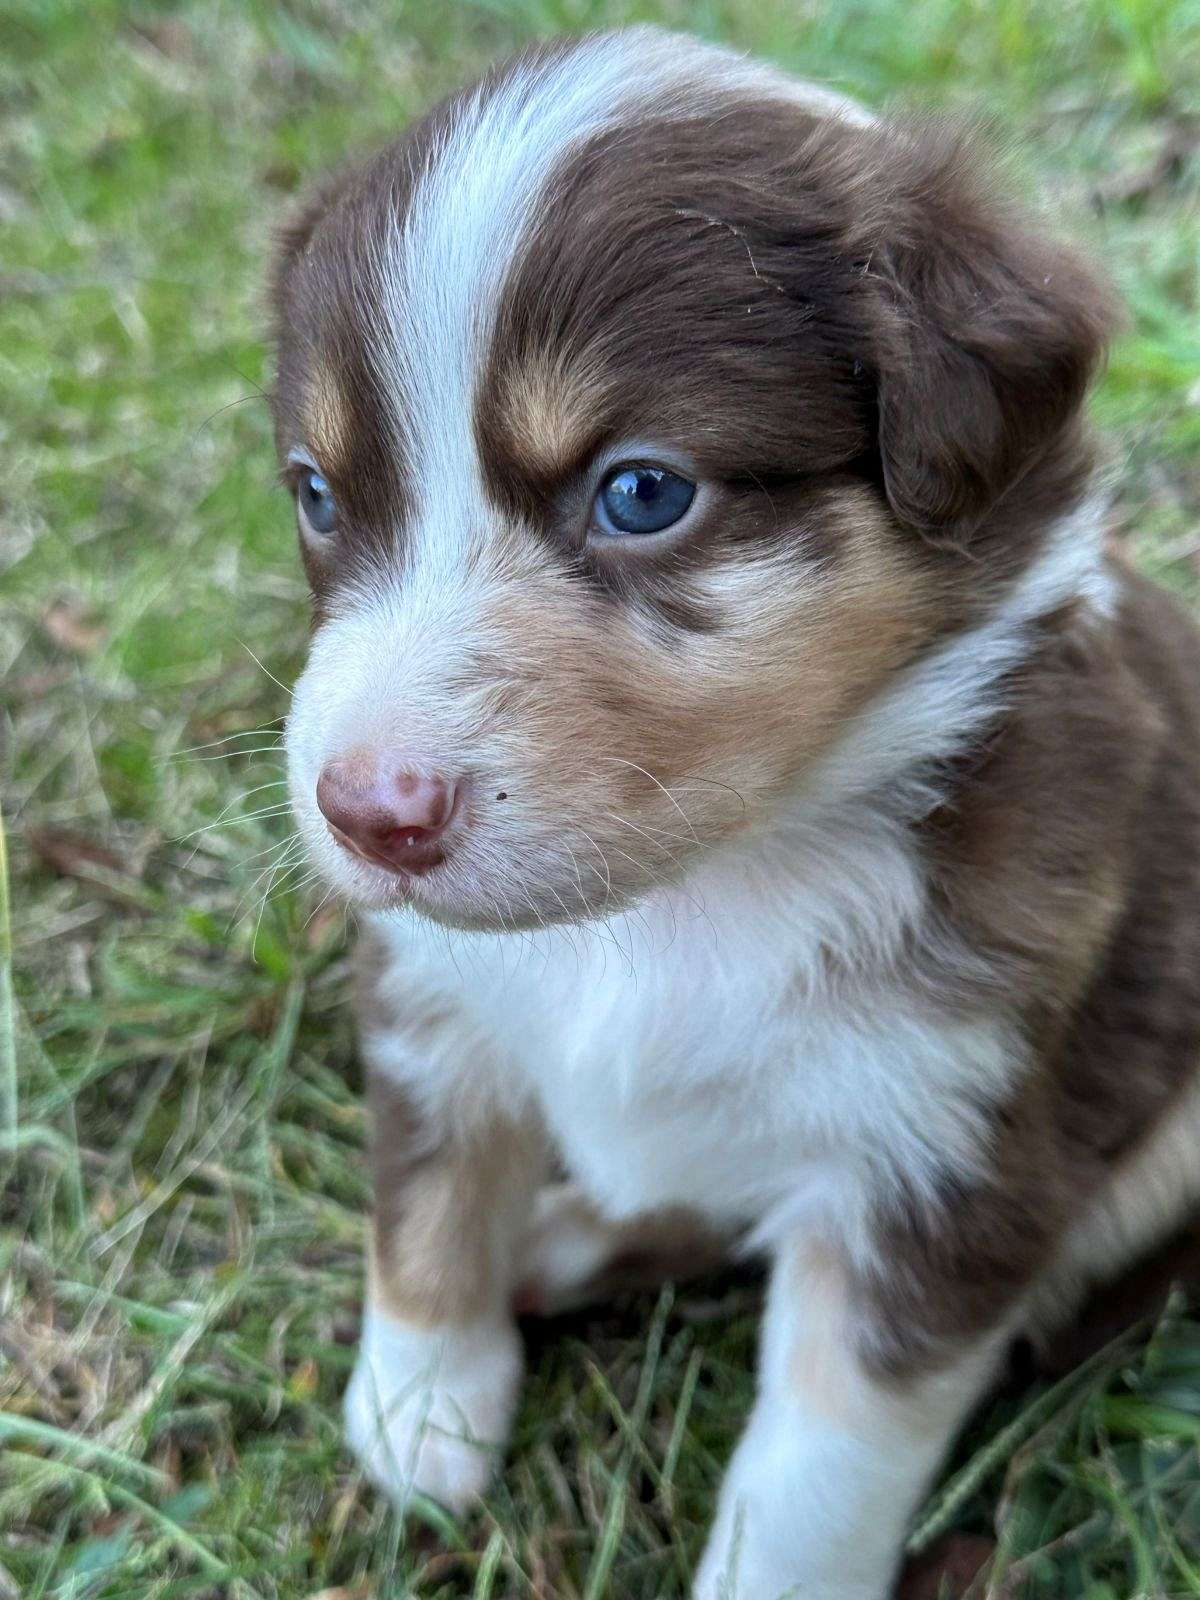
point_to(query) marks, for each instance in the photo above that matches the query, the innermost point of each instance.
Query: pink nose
(386, 812)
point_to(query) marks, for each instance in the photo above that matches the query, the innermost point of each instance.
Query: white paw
(779, 1539)
(738, 1568)
(429, 1409)
(722, 1577)
(728, 1570)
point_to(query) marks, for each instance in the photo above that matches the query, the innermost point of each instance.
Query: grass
(181, 1180)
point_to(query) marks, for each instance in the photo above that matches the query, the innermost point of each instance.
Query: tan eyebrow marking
(328, 419)
(549, 413)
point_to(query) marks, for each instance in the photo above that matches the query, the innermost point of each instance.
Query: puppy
(765, 798)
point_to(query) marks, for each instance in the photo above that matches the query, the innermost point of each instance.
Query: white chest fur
(697, 1052)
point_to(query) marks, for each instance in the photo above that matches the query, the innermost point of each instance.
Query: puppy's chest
(720, 1078)
(672, 1094)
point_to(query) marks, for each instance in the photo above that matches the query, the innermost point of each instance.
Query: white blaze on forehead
(444, 263)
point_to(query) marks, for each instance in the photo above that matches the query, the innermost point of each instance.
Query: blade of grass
(8, 1028)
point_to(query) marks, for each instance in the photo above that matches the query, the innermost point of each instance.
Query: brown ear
(994, 335)
(294, 234)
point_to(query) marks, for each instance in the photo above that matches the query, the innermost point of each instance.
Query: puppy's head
(620, 400)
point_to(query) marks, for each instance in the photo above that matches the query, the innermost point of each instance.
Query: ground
(182, 1187)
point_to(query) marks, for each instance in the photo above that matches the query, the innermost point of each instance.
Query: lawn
(182, 1188)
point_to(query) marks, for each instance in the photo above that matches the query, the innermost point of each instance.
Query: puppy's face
(602, 401)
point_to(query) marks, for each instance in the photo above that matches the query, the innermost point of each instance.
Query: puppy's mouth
(465, 879)
(443, 886)
(438, 883)
(422, 856)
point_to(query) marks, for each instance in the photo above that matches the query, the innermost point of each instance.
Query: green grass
(181, 1180)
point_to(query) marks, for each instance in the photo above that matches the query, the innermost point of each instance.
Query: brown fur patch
(432, 1259)
(795, 301)
(1069, 858)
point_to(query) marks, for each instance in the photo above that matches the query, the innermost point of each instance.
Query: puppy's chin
(465, 915)
(466, 910)
(462, 895)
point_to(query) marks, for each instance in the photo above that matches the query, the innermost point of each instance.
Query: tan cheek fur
(636, 708)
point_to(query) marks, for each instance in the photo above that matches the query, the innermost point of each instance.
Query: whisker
(683, 814)
(259, 664)
(320, 906)
(714, 783)
(637, 828)
(301, 883)
(583, 900)
(243, 733)
(240, 401)
(649, 830)
(228, 755)
(290, 849)
(451, 952)
(568, 926)
(228, 816)
(246, 378)
(278, 844)
(273, 888)
(607, 868)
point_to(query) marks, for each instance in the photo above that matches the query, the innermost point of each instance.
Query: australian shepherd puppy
(772, 812)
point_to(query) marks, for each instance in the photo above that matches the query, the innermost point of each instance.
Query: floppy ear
(994, 335)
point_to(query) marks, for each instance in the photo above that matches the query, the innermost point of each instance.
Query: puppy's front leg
(432, 1396)
(835, 1457)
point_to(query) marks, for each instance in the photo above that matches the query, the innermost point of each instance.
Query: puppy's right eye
(641, 499)
(314, 498)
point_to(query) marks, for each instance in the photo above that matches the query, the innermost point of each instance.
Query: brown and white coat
(823, 871)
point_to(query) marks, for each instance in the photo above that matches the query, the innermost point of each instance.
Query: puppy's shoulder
(1085, 792)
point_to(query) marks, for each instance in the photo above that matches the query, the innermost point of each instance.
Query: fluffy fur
(824, 873)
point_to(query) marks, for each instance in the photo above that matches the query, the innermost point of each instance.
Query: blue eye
(641, 500)
(316, 502)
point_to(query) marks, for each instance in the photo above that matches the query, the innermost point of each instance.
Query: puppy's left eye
(315, 500)
(641, 499)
